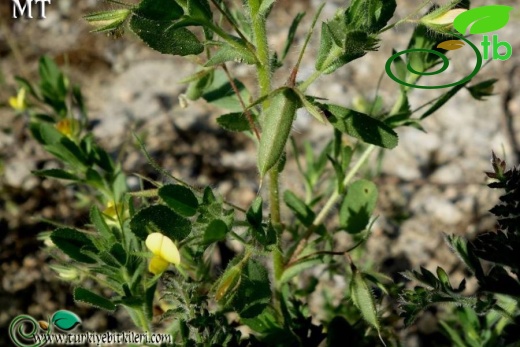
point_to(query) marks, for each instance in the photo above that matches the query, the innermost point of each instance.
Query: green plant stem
(310, 80)
(334, 197)
(292, 77)
(231, 22)
(330, 203)
(399, 103)
(305, 84)
(264, 78)
(139, 318)
(263, 67)
(274, 195)
(247, 113)
(227, 37)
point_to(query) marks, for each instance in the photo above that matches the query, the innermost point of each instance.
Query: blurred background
(432, 183)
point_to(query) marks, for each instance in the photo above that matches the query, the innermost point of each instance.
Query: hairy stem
(139, 318)
(331, 202)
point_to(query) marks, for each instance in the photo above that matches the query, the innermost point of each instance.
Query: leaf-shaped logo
(451, 45)
(484, 19)
(65, 320)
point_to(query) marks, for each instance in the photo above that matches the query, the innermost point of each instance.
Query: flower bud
(108, 20)
(68, 127)
(67, 273)
(442, 19)
(482, 89)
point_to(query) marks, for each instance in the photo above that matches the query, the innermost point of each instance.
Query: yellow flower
(447, 18)
(164, 251)
(68, 127)
(441, 20)
(18, 102)
(112, 211)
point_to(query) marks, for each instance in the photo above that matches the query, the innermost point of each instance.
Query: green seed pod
(276, 127)
(196, 88)
(228, 282)
(364, 300)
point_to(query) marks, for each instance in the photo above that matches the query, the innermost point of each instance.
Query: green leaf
(310, 106)
(49, 134)
(369, 15)
(208, 197)
(265, 323)
(452, 334)
(56, 173)
(199, 9)
(159, 10)
(400, 67)
(266, 235)
(358, 206)
(180, 199)
(160, 218)
(236, 121)
(265, 7)
(109, 260)
(329, 49)
(71, 242)
(361, 126)
(65, 320)
(102, 158)
(295, 269)
(221, 94)
(59, 145)
(254, 292)
(96, 218)
(52, 83)
(165, 39)
(444, 278)
(364, 300)
(199, 85)
(215, 231)
(229, 53)
(85, 296)
(340, 174)
(94, 178)
(292, 32)
(482, 89)
(118, 252)
(254, 213)
(484, 19)
(339, 46)
(302, 211)
(460, 246)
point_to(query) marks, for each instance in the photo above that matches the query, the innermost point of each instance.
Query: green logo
(24, 328)
(482, 20)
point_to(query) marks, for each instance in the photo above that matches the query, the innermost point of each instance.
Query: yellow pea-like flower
(68, 127)
(441, 20)
(157, 265)
(448, 17)
(164, 251)
(18, 102)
